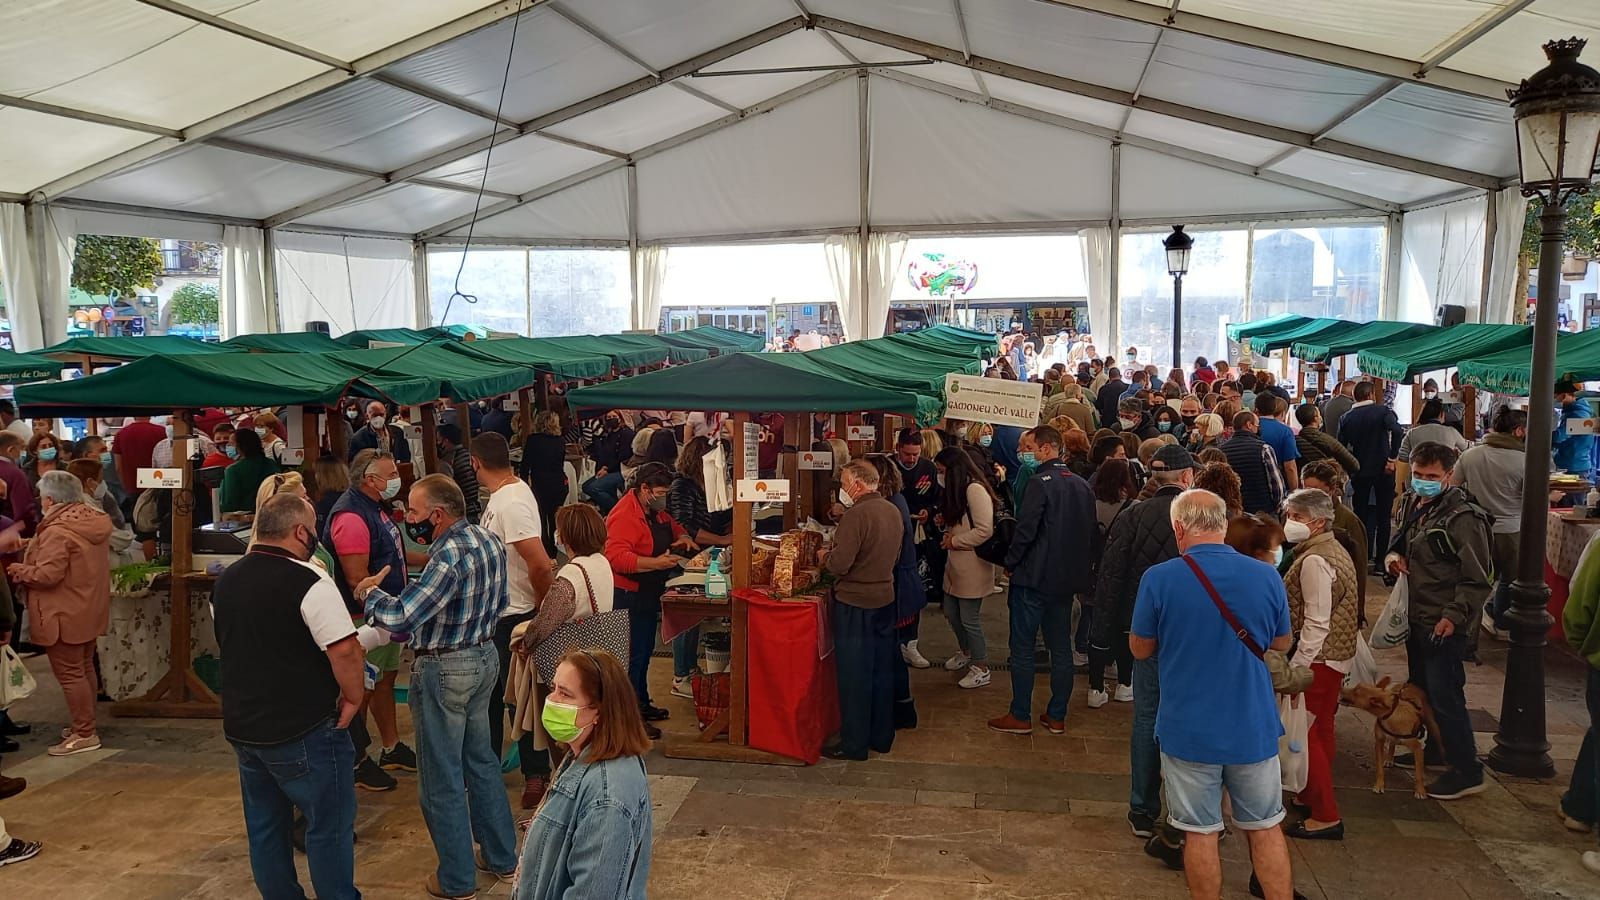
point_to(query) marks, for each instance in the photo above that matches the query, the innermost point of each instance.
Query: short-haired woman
(967, 507)
(544, 459)
(591, 835)
(272, 446)
(686, 502)
(909, 595)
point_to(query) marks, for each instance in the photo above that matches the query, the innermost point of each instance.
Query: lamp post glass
(1178, 247)
(1557, 113)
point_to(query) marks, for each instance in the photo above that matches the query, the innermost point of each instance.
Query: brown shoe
(1052, 726)
(533, 791)
(1009, 724)
(436, 892)
(10, 787)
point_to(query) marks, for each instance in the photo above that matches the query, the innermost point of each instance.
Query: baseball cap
(1171, 458)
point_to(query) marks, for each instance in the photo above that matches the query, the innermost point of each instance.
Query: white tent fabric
(844, 254)
(651, 273)
(351, 283)
(594, 210)
(1510, 209)
(1097, 261)
(885, 251)
(17, 276)
(1442, 259)
(243, 304)
(54, 234)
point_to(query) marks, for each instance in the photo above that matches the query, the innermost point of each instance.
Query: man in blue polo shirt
(1279, 437)
(1218, 723)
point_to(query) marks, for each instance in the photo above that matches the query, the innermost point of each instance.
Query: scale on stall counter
(222, 538)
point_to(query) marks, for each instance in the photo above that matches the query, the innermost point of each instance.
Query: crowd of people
(1198, 531)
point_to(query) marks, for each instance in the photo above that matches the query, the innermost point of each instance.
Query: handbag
(1286, 677)
(1294, 753)
(606, 630)
(994, 549)
(1394, 623)
(16, 682)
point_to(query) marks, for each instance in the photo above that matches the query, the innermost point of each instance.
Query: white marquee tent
(349, 136)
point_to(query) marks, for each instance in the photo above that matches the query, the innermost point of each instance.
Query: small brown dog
(1403, 716)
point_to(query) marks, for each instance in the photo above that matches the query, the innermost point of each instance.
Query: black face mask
(421, 532)
(1188, 421)
(311, 549)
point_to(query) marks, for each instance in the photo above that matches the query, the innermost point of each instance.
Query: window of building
(1213, 295)
(1334, 271)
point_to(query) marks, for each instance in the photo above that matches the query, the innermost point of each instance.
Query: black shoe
(1431, 759)
(835, 751)
(1144, 826)
(15, 729)
(19, 850)
(654, 714)
(1453, 785)
(7, 745)
(1331, 833)
(905, 715)
(1169, 853)
(1256, 891)
(371, 778)
(402, 758)
(652, 732)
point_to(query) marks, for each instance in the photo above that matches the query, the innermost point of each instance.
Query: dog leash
(1421, 731)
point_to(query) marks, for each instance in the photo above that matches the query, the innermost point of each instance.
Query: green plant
(103, 264)
(136, 577)
(194, 303)
(1583, 227)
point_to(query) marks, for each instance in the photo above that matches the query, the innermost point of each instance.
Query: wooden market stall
(1321, 351)
(1409, 359)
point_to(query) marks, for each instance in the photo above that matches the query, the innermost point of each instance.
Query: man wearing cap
(1140, 538)
(1573, 453)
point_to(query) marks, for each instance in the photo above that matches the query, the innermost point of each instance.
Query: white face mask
(845, 499)
(391, 487)
(375, 423)
(1129, 424)
(261, 431)
(1295, 532)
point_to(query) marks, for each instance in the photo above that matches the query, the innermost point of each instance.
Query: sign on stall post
(816, 461)
(762, 490)
(972, 398)
(1583, 426)
(752, 448)
(861, 433)
(160, 478)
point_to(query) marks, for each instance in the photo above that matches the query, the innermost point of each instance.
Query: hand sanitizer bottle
(716, 582)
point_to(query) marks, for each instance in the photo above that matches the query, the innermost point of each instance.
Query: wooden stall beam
(430, 438)
(1469, 412)
(789, 465)
(743, 539)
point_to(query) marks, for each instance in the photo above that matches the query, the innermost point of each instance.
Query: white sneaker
(1124, 693)
(913, 658)
(957, 663)
(1079, 660)
(1489, 626)
(683, 687)
(1098, 699)
(1591, 861)
(975, 678)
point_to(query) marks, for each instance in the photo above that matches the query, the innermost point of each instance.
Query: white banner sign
(971, 398)
(816, 461)
(161, 478)
(861, 433)
(1583, 426)
(762, 490)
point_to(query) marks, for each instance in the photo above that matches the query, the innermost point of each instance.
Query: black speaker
(319, 327)
(1450, 314)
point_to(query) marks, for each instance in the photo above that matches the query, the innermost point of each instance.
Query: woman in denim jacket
(591, 835)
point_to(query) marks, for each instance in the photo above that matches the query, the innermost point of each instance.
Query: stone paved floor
(954, 812)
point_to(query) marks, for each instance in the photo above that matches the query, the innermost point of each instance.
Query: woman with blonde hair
(932, 443)
(544, 468)
(1207, 432)
(591, 835)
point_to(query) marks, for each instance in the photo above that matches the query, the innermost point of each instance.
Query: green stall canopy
(362, 340)
(1405, 360)
(249, 380)
(1237, 333)
(1510, 370)
(566, 365)
(895, 365)
(286, 342)
(950, 338)
(27, 368)
(655, 344)
(716, 340)
(1372, 334)
(624, 354)
(478, 332)
(126, 349)
(746, 382)
(1324, 329)
(461, 377)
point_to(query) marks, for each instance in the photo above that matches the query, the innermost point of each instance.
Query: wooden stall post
(790, 465)
(336, 443)
(309, 435)
(1469, 412)
(1416, 399)
(526, 407)
(180, 693)
(430, 438)
(542, 391)
(88, 369)
(743, 538)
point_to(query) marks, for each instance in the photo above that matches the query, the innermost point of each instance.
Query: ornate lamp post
(1557, 112)
(1178, 246)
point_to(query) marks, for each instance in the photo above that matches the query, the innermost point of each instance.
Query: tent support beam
(633, 246)
(128, 209)
(616, 46)
(1114, 301)
(1163, 107)
(1252, 220)
(864, 183)
(348, 232)
(250, 34)
(828, 36)
(1278, 42)
(1441, 199)
(1489, 22)
(1278, 157)
(366, 65)
(1206, 159)
(67, 112)
(1354, 110)
(661, 146)
(570, 111)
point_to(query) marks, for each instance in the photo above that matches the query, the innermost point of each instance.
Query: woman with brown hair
(686, 503)
(909, 595)
(1114, 491)
(591, 835)
(43, 455)
(1220, 479)
(1256, 535)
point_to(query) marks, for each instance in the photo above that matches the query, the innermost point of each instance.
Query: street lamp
(1178, 246)
(1557, 113)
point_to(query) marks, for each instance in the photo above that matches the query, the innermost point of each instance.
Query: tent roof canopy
(333, 116)
(1510, 370)
(1321, 329)
(1372, 334)
(125, 349)
(1435, 350)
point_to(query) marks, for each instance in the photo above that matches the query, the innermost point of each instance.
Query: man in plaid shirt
(450, 613)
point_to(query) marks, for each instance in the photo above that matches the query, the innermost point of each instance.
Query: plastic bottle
(716, 582)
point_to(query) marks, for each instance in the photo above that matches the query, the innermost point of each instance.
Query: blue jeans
(1582, 799)
(1029, 612)
(1439, 670)
(604, 490)
(685, 652)
(864, 653)
(641, 643)
(316, 774)
(449, 703)
(1144, 794)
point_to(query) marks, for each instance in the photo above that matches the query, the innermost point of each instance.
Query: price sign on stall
(160, 478)
(752, 448)
(861, 433)
(1583, 426)
(816, 461)
(762, 490)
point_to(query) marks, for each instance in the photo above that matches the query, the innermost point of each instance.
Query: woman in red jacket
(640, 536)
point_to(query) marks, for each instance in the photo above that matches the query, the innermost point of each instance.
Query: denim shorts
(1194, 794)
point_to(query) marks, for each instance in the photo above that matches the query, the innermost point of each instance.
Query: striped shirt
(459, 597)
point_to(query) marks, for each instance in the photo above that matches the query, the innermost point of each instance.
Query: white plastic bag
(16, 682)
(1394, 623)
(1363, 669)
(1294, 753)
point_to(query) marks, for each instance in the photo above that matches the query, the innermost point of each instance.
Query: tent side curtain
(285, 342)
(1405, 360)
(253, 380)
(746, 382)
(352, 283)
(131, 348)
(566, 365)
(1237, 333)
(1325, 329)
(1510, 370)
(1372, 334)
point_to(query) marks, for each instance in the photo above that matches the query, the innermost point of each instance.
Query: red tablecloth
(792, 686)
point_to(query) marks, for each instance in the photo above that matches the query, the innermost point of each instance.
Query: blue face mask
(985, 440)
(47, 454)
(1424, 488)
(232, 451)
(1029, 458)
(105, 459)
(1164, 426)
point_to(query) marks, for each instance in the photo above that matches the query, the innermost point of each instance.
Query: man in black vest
(293, 664)
(1373, 434)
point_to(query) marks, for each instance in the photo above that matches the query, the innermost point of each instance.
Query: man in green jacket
(1580, 805)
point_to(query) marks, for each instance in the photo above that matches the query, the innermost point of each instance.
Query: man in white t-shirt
(10, 422)
(512, 515)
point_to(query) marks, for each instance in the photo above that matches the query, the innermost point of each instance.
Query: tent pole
(743, 539)
(430, 438)
(1114, 252)
(864, 183)
(421, 313)
(633, 247)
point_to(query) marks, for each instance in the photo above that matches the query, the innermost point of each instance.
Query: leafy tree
(102, 264)
(194, 304)
(1583, 227)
